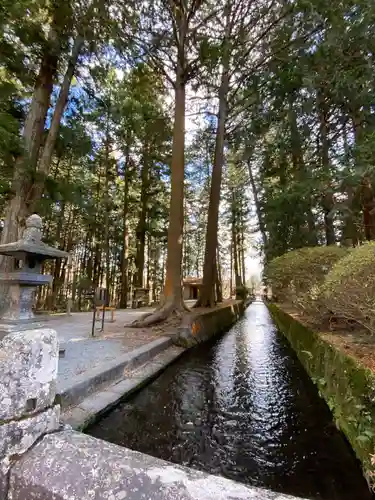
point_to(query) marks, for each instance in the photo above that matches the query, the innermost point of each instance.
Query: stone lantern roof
(31, 243)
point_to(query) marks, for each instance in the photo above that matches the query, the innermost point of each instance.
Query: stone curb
(205, 325)
(89, 382)
(89, 410)
(347, 385)
(71, 465)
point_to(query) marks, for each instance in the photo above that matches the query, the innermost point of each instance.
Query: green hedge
(349, 288)
(296, 276)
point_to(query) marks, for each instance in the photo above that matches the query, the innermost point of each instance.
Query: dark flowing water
(242, 407)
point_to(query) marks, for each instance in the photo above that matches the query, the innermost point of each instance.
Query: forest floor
(353, 340)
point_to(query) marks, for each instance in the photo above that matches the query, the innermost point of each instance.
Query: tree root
(185, 307)
(160, 315)
(200, 303)
(136, 321)
(152, 319)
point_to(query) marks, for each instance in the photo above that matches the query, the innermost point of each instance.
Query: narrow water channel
(244, 408)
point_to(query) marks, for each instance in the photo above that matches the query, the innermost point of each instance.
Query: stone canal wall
(92, 400)
(43, 460)
(347, 386)
(205, 325)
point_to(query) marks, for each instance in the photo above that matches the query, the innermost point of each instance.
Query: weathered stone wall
(203, 326)
(70, 465)
(28, 370)
(347, 386)
(42, 460)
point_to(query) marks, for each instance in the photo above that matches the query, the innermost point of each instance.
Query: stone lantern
(17, 294)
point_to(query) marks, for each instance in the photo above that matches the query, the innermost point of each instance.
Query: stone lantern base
(16, 303)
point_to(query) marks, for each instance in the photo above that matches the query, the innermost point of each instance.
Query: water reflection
(244, 408)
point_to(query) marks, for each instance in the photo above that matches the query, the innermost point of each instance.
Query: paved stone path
(84, 352)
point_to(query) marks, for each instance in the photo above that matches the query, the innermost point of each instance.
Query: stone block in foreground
(16, 437)
(28, 371)
(70, 465)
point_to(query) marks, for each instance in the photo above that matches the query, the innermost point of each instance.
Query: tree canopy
(161, 140)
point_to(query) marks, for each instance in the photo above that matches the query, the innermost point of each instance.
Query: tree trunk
(59, 266)
(258, 210)
(207, 296)
(155, 268)
(368, 207)
(97, 237)
(56, 284)
(328, 201)
(242, 239)
(300, 176)
(106, 212)
(149, 283)
(185, 246)
(350, 231)
(231, 271)
(219, 284)
(113, 298)
(125, 247)
(25, 165)
(237, 276)
(173, 287)
(172, 300)
(90, 245)
(141, 226)
(45, 160)
(366, 193)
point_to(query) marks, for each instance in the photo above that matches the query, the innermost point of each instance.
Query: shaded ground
(355, 341)
(359, 344)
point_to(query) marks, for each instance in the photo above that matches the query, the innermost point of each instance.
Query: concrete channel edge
(347, 386)
(89, 399)
(91, 381)
(92, 408)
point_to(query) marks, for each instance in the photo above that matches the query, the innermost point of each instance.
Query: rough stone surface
(72, 466)
(18, 436)
(28, 371)
(76, 418)
(126, 386)
(99, 401)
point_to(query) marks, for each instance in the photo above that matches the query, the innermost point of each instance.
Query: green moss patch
(347, 386)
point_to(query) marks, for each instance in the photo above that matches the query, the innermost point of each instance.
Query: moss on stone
(347, 386)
